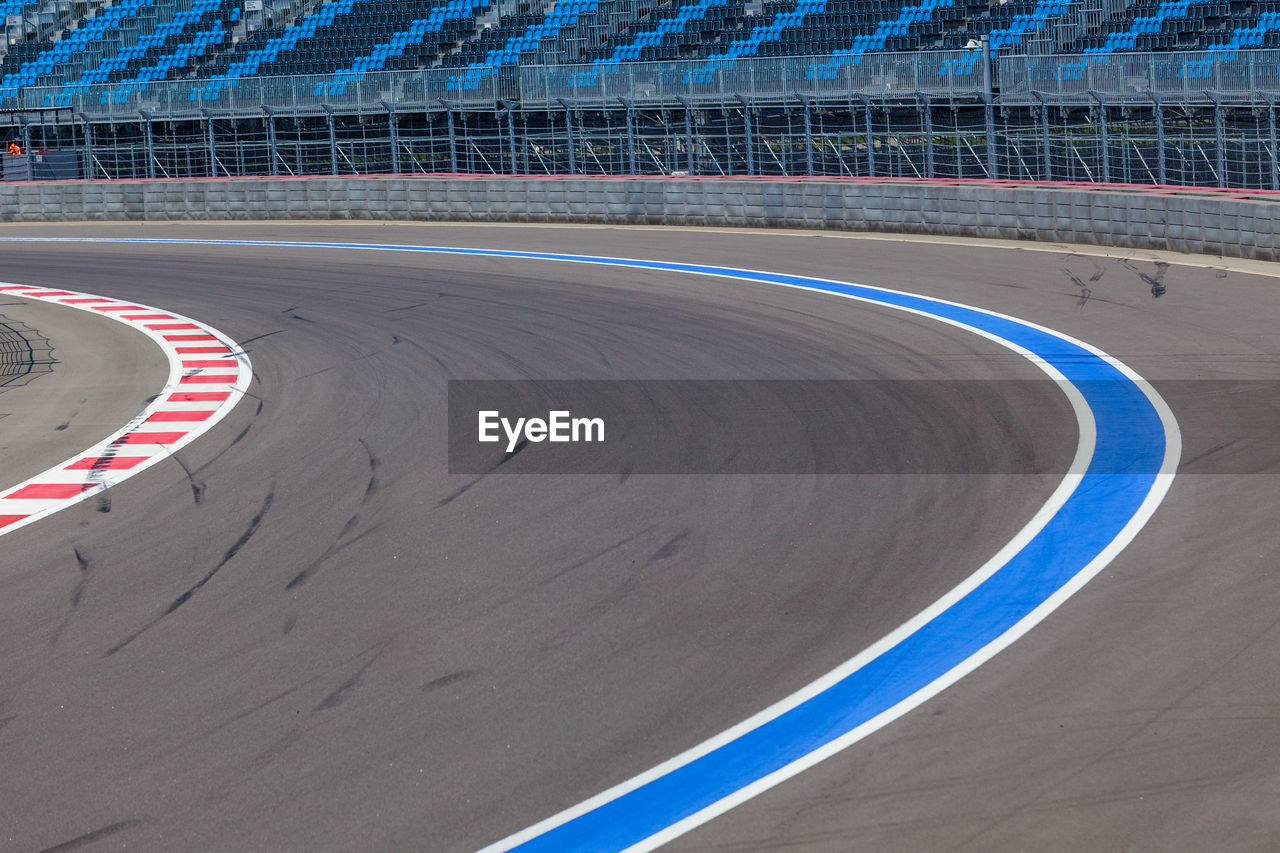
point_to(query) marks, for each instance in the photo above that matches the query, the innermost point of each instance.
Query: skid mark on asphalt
(340, 695)
(373, 485)
(239, 437)
(77, 595)
(197, 486)
(261, 706)
(82, 562)
(91, 837)
(672, 546)
(582, 562)
(260, 337)
(254, 524)
(338, 547)
(1155, 282)
(451, 678)
(457, 493)
(466, 487)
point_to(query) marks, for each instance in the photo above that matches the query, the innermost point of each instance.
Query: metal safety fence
(1196, 145)
(859, 126)
(1175, 77)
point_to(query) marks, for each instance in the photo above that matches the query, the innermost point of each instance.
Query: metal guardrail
(1182, 76)
(1189, 77)
(933, 73)
(249, 95)
(879, 75)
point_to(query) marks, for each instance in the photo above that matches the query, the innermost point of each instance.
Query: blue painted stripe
(1130, 450)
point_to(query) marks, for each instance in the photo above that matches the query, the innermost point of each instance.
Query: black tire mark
(374, 463)
(90, 837)
(186, 596)
(302, 576)
(672, 547)
(340, 694)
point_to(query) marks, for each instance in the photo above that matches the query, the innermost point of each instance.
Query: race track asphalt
(304, 633)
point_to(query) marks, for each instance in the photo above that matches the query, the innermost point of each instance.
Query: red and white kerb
(208, 374)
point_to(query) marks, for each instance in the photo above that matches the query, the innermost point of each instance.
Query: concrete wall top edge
(1271, 196)
(1162, 218)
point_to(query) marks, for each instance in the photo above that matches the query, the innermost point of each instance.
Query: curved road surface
(304, 633)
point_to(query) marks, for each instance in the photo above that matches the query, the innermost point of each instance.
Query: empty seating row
(133, 42)
(77, 41)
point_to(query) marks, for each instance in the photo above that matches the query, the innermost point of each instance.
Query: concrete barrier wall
(1240, 224)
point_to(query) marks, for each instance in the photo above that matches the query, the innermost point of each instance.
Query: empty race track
(303, 632)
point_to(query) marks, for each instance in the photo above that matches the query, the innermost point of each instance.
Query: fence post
(89, 168)
(871, 147)
(688, 134)
(208, 142)
(151, 149)
(270, 119)
(1220, 138)
(1271, 133)
(26, 146)
(393, 128)
(508, 113)
(1160, 165)
(511, 138)
(988, 87)
(568, 134)
(746, 126)
(1044, 134)
(631, 137)
(333, 138)
(1102, 132)
(926, 103)
(808, 133)
(989, 116)
(453, 137)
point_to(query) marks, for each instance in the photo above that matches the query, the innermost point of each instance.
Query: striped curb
(208, 374)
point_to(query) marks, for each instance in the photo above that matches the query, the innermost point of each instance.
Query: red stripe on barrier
(148, 317)
(119, 308)
(43, 293)
(170, 417)
(83, 301)
(49, 491)
(199, 397)
(208, 379)
(149, 438)
(212, 362)
(190, 338)
(201, 350)
(160, 327)
(106, 463)
(6, 520)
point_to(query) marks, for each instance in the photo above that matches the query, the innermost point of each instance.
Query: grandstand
(129, 41)
(1066, 89)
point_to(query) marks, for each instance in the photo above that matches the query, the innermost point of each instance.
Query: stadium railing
(1177, 77)
(935, 73)
(1197, 77)
(303, 93)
